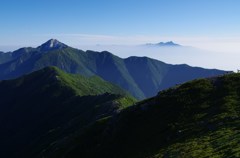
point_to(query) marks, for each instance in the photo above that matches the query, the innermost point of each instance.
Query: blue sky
(208, 24)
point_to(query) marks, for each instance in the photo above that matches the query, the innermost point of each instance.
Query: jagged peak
(163, 44)
(52, 44)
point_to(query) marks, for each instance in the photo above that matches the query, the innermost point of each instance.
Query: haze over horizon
(119, 26)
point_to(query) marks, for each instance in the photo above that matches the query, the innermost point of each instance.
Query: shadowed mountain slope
(197, 119)
(47, 105)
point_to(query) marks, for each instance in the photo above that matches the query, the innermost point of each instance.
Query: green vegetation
(87, 85)
(64, 115)
(196, 119)
(49, 106)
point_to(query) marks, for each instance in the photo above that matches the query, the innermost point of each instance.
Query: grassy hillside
(50, 105)
(197, 119)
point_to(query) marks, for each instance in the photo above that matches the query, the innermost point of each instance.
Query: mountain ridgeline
(141, 76)
(199, 119)
(51, 114)
(49, 105)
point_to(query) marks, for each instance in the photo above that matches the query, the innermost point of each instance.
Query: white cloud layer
(229, 44)
(209, 52)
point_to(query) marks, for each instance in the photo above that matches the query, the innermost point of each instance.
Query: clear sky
(208, 24)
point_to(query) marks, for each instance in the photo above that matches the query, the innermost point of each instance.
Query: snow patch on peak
(52, 44)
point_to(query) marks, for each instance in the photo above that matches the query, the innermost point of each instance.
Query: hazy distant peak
(164, 44)
(170, 43)
(51, 45)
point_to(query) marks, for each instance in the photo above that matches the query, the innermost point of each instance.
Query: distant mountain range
(141, 76)
(164, 44)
